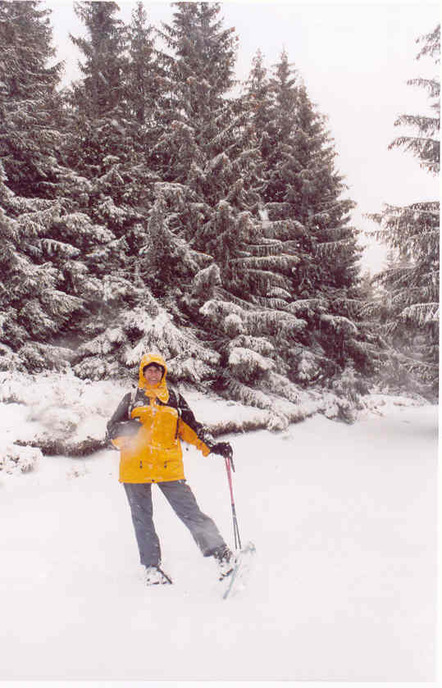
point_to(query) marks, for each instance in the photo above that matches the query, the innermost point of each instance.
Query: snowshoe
(155, 576)
(242, 562)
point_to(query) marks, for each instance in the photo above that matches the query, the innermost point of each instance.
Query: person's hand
(223, 449)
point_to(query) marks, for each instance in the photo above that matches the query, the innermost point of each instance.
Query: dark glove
(223, 449)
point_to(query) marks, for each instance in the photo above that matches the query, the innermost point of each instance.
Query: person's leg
(140, 502)
(203, 529)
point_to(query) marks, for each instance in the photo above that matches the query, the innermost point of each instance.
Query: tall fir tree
(143, 77)
(212, 166)
(29, 104)
(102, 87)
(409, 306)
(305, 210)
(35, 307)
(113, 115)
(46, 285)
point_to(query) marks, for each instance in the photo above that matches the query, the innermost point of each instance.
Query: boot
(155, 576)
(225, 560)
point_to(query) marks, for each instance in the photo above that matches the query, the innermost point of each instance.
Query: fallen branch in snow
(58, 447)
(232, 426)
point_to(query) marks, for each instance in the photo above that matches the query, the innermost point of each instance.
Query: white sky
(355, 58)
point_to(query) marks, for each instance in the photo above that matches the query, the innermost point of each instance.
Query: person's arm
(120, 416)
(193, 432)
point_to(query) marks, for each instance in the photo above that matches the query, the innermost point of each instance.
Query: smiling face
(153, 374)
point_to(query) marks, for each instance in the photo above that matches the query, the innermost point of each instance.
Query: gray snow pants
(183, 502)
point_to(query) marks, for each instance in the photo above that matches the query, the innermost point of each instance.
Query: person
(147, 427)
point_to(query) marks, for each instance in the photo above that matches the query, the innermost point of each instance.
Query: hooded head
(160, 390)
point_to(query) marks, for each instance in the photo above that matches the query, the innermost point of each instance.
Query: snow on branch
(421, 314)
(248, 365)
(339, 323)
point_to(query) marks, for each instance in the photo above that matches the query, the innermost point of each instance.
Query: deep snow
(344, 584)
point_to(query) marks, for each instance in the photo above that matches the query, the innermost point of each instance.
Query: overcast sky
(355, 58)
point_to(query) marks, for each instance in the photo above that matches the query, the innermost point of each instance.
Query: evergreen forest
(156, 204)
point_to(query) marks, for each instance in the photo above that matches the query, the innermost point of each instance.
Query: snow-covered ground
(343, 588)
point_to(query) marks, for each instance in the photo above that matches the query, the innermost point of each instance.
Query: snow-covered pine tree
(164, 259)
(102, 87)
(35, 309)
(101, 148)
(304, 208)
(258, 97)
(45, 284)
(199, 120)
(212, 165)
(409, 305)
(144, 81)
(102, 144)
(113, 117)
(29, 104)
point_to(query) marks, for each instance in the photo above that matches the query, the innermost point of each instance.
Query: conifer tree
(410, 303)
(104, 144)
(114, 116)
(114, 119)
(259, 104)
(35, 308)
(142, 84)
(212, 164)
(29, 105)
(99, 143)
(102, 87)
(44, 283)
(305, 212)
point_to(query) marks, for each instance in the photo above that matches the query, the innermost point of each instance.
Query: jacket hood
(159, 390)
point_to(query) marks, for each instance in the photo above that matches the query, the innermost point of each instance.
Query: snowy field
(343, 588)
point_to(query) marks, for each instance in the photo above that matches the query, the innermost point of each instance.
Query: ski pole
(229, 467)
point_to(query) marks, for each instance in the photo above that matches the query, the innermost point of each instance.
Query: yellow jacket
(154, 453)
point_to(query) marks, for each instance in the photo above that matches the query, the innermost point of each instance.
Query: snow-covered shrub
(62, 411)
(343, 399)
(18, 459)
(22, 388)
